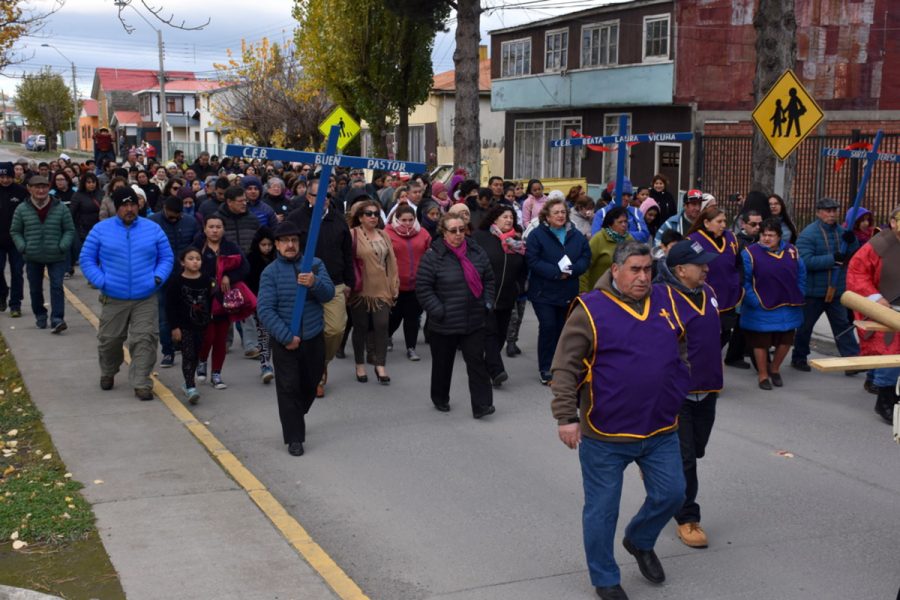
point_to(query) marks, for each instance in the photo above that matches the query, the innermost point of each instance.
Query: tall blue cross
(871, 157)
(327, 160)
(621, 140)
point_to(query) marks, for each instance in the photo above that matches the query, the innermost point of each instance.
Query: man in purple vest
(696, 308)
(618, 385)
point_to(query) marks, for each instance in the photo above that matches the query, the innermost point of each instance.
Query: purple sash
(724, 276)
(701, 329)
(775, 276)
(638, 382)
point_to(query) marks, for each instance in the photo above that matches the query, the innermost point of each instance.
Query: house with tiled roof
(113, 89)
(431, 123)
(183, 101)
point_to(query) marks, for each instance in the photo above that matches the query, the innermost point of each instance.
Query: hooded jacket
(239, 228)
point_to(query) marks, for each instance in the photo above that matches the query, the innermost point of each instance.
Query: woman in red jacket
(410, 242)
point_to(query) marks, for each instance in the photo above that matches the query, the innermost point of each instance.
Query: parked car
(36, 143)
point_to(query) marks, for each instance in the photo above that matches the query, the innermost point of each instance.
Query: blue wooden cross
(621, 141)
(871, 156)
(327, 160)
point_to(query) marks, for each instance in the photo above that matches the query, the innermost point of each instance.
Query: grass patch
(40, 504)
(78, 155)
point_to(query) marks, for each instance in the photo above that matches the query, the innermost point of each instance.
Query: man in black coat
(11, 195)
(335, 248)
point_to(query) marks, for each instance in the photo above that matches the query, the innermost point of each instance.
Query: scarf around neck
(614, 235)
(405, 230)
(473, 279)
(509, 241)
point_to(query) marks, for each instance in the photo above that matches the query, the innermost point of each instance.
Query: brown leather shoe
(692, 535)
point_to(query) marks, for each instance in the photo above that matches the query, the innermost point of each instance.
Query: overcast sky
(88, 33)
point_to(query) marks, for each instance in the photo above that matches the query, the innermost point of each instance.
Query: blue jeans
(16, 287)
(840, 328)
(551, 319)
(886, 377)
(602, 465)
(55, 271)
(165, 334)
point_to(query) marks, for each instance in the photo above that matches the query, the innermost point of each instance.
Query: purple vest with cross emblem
(775, 276)
(724, 276)
(701, 331)
(637, 379)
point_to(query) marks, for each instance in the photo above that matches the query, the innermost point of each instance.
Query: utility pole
(74, 88)
(163, 109)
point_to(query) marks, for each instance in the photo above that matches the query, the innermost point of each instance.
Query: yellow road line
(290, 528)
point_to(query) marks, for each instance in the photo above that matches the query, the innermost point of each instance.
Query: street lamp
(74, 88)
(163, 120)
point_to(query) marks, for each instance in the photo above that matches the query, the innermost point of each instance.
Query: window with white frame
(611, 159)
(515, 58)
(533, 156)
(416, 143)
(656, 38)
(556, 50)
(600, 44)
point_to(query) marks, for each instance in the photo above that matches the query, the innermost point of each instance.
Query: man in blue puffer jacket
(127, 258)
(298, 357)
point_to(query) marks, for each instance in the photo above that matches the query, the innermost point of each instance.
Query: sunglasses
(370, 213)
(456, 230)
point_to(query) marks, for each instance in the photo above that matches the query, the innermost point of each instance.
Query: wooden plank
(872, 326)
(855, 363)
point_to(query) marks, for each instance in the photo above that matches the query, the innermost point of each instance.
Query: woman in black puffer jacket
(455, 286)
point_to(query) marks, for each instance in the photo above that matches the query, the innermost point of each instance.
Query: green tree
(46, 103)
(378, 67)
(434, 13)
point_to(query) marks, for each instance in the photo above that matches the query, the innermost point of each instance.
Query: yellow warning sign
(341, 118)
(787, 114)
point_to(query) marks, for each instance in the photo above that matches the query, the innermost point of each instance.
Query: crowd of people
(188, 257)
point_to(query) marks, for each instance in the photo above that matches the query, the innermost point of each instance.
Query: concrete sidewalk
(173, 522)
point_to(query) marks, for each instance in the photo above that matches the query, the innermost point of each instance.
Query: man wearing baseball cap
(695, 304)
(128, 258)
(11, 196)
(298, 356)
(825, 248)
(683, 221)
(42, 229)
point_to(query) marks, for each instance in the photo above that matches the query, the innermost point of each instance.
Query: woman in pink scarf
(455, 286)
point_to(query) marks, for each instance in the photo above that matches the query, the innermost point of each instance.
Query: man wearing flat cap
(821, 246)
(128, 258)
(11, 196)
(298, 356)
(42, 230)
(618, 386)
(697, 310)
(180, 230)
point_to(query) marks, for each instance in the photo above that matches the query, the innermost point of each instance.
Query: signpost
(327, 160)
(349, 128)
(785, 116)
(871, 157)
(622, 141)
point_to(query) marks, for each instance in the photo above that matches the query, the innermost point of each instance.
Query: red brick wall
(831, 127)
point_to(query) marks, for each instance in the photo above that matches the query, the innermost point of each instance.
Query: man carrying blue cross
(294, 289)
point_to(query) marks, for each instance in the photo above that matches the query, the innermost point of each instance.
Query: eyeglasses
(370, 213)
(752, 224)
(456, 230)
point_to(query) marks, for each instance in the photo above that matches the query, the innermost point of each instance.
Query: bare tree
(19, 18)
(776, 51)
(158, 14)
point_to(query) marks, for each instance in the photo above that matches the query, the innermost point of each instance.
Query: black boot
(884, 404)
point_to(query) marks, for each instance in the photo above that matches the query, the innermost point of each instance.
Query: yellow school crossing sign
(787, 115)
(341, 118)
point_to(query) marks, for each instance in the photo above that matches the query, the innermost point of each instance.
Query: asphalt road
(416, 504)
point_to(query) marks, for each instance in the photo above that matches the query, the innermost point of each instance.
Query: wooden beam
(870, 309)
(872, 326)
(855, 363)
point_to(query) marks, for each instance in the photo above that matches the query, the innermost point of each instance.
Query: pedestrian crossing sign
(787, 114)
(349, 126)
